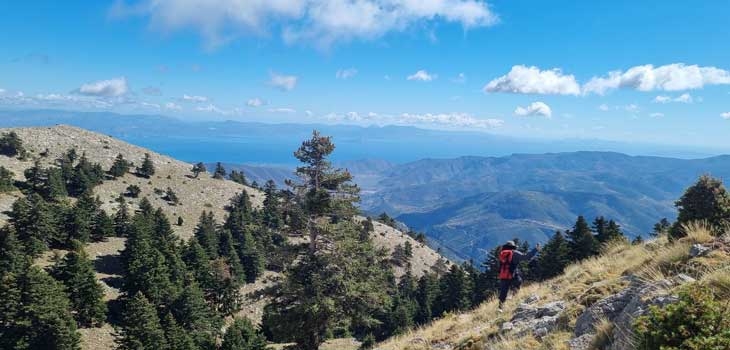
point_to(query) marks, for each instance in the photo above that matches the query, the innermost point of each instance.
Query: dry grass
(604, 332)
(718, 281)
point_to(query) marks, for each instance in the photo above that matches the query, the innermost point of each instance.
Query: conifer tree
(11, 145)
(35, 224)
(706, 200)
(11, 253)
(426, 293)
(35, 177)
(206, 234)
(176, 337)
(220, 171)
(227, 250)
(582, 243)
(637, 240)
(238, 177)
(251, 256)
(195, 316)
(85, 176)
(271, 211)
(119, 167)
(554, 257)
(197, 262)
(103, 227)
(35, 314)
(80, 219)
(198, 168)
(76, 273)
(140, 326)
(455, 291)
(122, 220)
(242, 335)
(661, 228)
(147, 169)
(54, 187)
(7, 183)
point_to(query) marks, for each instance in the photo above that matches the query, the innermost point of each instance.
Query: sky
(616, 70)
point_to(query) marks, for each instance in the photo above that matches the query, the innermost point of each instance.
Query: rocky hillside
(196, 194)
(593, 305)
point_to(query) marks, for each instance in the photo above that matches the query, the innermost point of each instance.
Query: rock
(532, 299)
(698, 250)
(581, 343)
(551, 309)
(540, 332)
(682, 278)
(507, 326)
(524, 312)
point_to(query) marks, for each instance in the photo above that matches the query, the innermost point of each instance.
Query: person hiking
(509, 272)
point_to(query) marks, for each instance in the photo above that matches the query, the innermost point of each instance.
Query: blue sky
(619, 70)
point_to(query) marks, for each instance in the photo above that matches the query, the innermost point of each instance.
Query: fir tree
(171, 196)
(36, 313)
(119, 167)
(35, 177)
(661, 228)
(238, 177)
(198, 168)
(242, 335)
(11, 253)
(176, 337)
(54, 187)
(706, 200)
(426, 294)
(220, 171)
(122, 220)
(206, 234)
(271, 212)
(554, 257)
(132, 191)
(637, 240)
(103, 227)
(197, 262)
(195, 316)
(251, 256)
(80, 219)
(147, 169)
(582, 243)
(7, 183)
(35, 224)
(140, 326)
(227, 250)
(76, 273)
(455, 291)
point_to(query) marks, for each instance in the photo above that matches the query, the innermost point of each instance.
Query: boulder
(581, 343)
(551, 309)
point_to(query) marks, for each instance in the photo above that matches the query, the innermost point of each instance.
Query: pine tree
(637, 240)
(76, 273)
(119, 167)
(103, 227)
(238, 177)
(242, 335)
(35, 314)
(220, 171)
(175, 336)
(35, 177)
(706, 200)
(7, 183)
(426, 294)
(80, 219)
(35, 224)
(11, 145)
(661, 228)
(582, 243)
(198, 168)
(140, 326)
(11, 253)
(147, 169)
(122, 220)
(171, 197)
(54, 187)
(206, 233)
(271, 211)
(455, 291)
(85, 176)
(197, 262)
(227, 250)
(195, 316)
(554, 257)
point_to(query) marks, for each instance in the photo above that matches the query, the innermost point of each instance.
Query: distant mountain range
(467, 205)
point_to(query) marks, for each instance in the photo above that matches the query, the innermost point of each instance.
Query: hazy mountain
(469, 204)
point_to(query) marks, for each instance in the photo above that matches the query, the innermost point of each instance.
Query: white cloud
(309, 113)
(630, 108)
(211, 108)
(656, 115)
(536, 108)
(107, 88)
(150, 105)
(531, 80)
(459, 121)
(460, 78)
(421, 75)
(323, 22)
(255, 102)
(346, 73)
(195, 98)
(283, 82)
(603, 107)
(683, 98)
(282, 110)
(171, 106)
(725, 115)
(671, 77)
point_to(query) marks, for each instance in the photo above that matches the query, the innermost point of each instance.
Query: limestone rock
(698, 250)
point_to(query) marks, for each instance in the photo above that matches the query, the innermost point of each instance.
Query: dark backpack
(506, 271)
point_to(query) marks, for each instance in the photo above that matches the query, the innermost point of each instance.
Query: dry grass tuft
(604, 333)
(697, 232)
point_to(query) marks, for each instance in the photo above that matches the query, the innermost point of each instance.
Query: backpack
(505, 264)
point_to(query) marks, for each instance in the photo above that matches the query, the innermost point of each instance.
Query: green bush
(697, 321)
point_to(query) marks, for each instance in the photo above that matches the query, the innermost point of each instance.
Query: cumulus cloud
(431, 120)
(683, 98)
(531, 80)
(346, 73)
(670, 77)
(195, 98)
(322, 22)
(421, 75)
(725, 115)
(283, 82)
(255, 102)
(534, 109)
(107, 88)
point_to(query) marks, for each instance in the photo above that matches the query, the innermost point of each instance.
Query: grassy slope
(195, 194)
(580, 285)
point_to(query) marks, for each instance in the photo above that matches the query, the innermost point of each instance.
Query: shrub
(11, 145)
(6, 180)
(133, 191)
(697, 321)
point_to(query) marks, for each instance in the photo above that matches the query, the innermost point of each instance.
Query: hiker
(509, 273)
